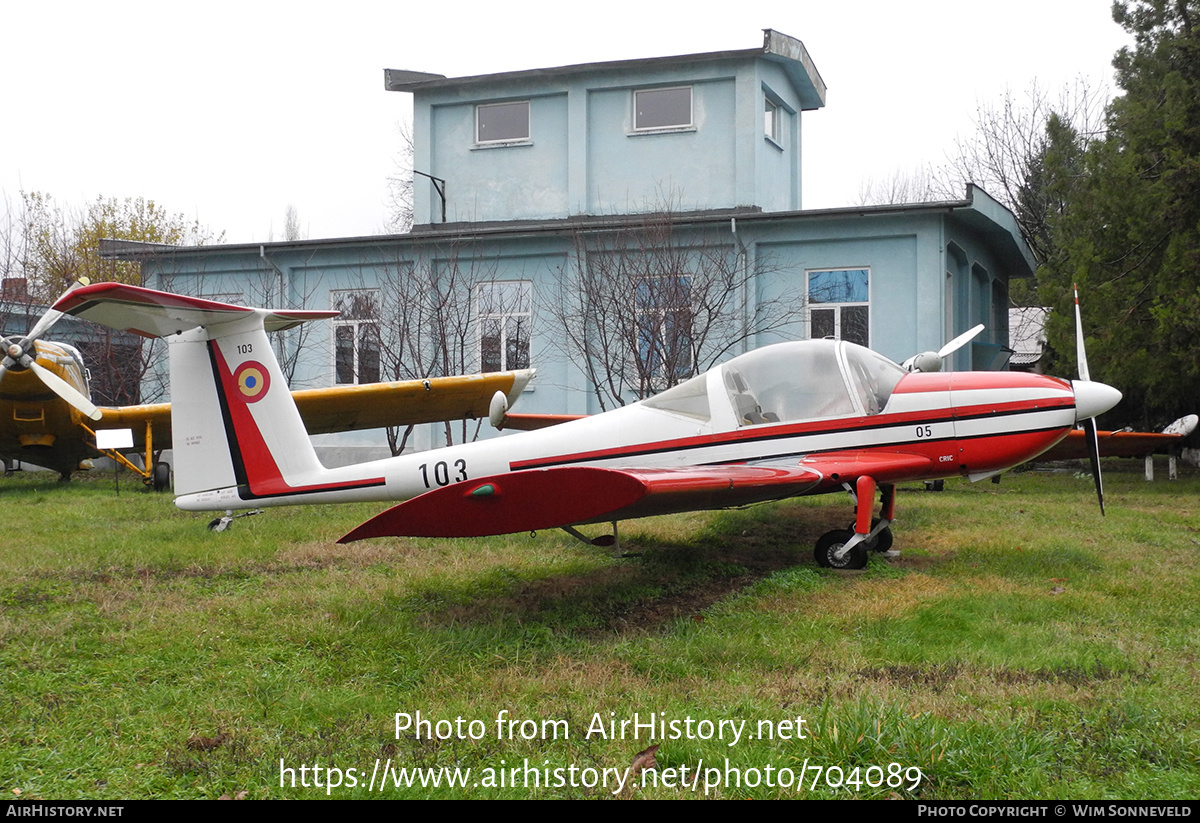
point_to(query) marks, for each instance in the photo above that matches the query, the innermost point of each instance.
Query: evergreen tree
(1128, 231)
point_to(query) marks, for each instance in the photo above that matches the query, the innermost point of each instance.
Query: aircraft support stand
(603, 540)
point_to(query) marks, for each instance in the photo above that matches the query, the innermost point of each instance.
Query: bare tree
(400, 185)
(14, 299)
(1006, 156)
(273, 289)
(646, 305)
(291, 225)
(919, 185)
(425, 321)
(12, 242)
(1006, 153)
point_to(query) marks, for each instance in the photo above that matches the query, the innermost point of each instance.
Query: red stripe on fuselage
(1003, 384)
(784, 432)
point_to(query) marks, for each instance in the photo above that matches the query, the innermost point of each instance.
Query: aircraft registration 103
(806, 417)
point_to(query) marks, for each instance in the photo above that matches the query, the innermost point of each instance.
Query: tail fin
(237, 436)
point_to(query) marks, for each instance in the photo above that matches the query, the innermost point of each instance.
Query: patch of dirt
(657, 584)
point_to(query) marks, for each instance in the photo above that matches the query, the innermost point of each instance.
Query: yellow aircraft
(48, 419)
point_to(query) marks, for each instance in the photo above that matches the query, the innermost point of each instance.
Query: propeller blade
(960, 341)
(1080, 352)
(51, 316)
(5, 360)
(1089, 426)
(931, 361)
(62, 388)
(42, 326)
(1096, 403)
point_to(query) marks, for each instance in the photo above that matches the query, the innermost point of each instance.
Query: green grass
(1023, 647)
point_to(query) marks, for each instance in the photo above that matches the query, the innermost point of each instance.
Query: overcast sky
(231, 111)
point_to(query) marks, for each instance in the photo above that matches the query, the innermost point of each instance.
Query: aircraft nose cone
(1092, 399)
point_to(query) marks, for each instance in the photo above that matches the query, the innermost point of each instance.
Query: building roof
(777, 47)
(978, 212)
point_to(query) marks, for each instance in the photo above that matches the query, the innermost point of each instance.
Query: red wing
(569, 495)
(532, 422)
(1112, 444)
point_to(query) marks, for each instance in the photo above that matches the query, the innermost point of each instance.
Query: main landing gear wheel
(830, 542)
(881, 542)
(160, 478)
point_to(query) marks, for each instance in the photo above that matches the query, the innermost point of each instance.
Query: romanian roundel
(252, 381)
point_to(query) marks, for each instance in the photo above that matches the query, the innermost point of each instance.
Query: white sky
(231, 111)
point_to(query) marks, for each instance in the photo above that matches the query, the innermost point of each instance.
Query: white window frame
(519, 309)
(771, 119)
(690, 124)
(357, 325)
(481, 140)
(835, 305)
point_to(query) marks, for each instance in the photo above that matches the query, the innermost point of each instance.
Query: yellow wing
(375, 405)
(352, 408)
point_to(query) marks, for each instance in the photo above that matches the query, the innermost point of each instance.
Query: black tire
(882, 542)
(160, 477)
(830, 542)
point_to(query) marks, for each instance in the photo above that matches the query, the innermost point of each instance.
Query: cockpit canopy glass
(689, 398)
(873, 376)
(806, 381)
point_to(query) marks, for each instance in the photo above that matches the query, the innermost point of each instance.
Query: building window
(356, 336)
(502, 122)
(663, 308)
(505, 315)
(662, 108)
(839, 305)
(771, 119)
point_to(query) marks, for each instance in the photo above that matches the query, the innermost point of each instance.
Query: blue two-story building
(616, 226)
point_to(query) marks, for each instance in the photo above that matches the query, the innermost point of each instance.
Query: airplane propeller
(929, 361)
(1091, 399)
(22, 354)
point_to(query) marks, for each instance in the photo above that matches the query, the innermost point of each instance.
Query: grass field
(1022, 647)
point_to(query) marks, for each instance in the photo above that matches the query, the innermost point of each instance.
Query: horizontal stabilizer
(571, 495)
(157, 314)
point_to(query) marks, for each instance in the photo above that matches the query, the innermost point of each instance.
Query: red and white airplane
(790, 419)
